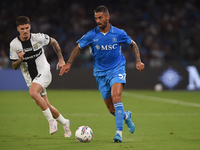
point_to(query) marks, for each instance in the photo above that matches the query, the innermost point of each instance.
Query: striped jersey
(34, 58)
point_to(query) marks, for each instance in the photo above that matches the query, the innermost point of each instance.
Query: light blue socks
(119, 115)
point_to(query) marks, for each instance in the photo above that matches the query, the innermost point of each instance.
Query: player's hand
(60, 64)
(65, 69)
(140, 66)
(21, 55)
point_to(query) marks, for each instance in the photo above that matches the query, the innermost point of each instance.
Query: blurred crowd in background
(166, 31)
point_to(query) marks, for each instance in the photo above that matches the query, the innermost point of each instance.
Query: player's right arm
(71, 59)
(83, 42)
(16, 64)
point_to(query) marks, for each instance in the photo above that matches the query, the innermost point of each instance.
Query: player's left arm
(139, 65)
(58, 51)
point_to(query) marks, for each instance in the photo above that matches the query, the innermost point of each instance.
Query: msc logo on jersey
(106, 47)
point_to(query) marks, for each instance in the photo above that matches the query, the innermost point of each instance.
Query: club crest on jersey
(35, 46)
(114, 39)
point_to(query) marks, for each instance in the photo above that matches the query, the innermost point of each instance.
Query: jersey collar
(111, 29)
(23, 41)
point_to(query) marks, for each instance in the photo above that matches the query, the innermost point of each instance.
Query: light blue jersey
(106, 49)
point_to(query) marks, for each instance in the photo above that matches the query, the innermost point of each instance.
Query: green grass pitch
(168, 120)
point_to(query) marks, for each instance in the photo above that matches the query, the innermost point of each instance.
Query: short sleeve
(85, 40)
(125, 38)
(44, 38)
(13, 53)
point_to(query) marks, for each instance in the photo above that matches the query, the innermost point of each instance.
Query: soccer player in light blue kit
(109, 65)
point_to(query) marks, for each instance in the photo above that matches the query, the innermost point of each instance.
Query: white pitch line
(142, 114)
(166, 114)
(158, 99)
(107, 114)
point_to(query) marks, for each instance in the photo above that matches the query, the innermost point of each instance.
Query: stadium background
(166, 31)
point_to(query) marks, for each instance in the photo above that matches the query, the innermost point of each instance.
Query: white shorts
(43, 79)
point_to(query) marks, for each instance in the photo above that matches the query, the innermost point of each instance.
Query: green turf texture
(160, 125)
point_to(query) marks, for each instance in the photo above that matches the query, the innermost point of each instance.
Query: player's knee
(33, 94)
(116, 97)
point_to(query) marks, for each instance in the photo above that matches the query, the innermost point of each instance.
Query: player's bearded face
(24, 31)
(102, 25)
(101, 20)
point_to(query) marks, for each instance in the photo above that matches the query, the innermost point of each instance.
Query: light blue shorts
(105, 83)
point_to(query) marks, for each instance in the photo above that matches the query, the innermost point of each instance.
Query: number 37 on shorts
(122, 76)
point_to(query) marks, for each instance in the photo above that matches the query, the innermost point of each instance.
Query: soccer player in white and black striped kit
(26, 52)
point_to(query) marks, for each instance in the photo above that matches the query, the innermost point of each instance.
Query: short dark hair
(102, 8)
(21, 20)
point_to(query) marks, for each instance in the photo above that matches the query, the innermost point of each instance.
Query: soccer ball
(84, 134)
(158, 87)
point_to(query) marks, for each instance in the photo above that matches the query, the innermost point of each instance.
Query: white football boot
(67, 130)
(53, 126)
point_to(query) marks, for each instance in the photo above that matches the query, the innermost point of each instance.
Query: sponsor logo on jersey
(28, 49)
(95, 40)
(33, 56)
(108, 47)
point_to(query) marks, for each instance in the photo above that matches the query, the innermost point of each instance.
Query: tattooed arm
(57, 49)
(74, 54)
(71, 59)
(139, 65)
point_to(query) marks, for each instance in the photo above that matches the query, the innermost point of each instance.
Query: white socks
(48, 114)
(120, 133)
(61, 120)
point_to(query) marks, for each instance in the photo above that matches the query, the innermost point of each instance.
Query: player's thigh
(117, 82)
(43, 79)
(35, 89)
